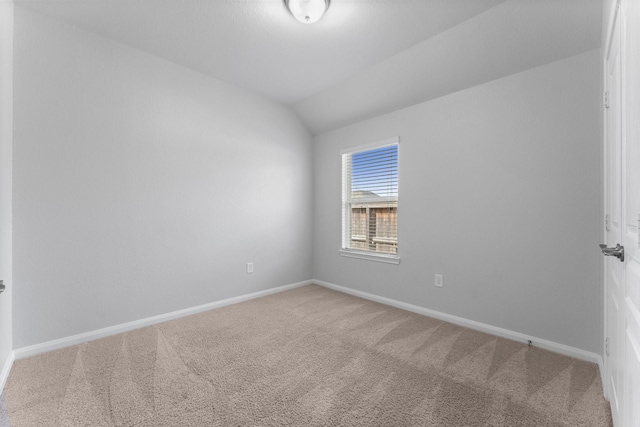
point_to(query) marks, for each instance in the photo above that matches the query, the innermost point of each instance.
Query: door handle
(617, 252)
(1, 286)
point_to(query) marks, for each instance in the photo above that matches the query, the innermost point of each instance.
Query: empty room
(319, 213)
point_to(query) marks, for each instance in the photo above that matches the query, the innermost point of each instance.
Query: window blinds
(370, 199)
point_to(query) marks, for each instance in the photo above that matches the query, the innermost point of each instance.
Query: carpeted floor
(4, 416)
(306, 357)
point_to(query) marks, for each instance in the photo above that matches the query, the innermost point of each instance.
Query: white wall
(141, 187)
(6, 130)
(512, 40)
(499, 191)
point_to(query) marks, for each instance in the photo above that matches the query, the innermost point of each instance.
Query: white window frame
(346, 204)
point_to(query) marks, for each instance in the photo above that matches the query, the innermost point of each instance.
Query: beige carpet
(306, 357)
(4, 417)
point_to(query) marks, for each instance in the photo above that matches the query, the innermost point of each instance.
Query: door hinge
(606, 346)
(607, 222)
(606, 100)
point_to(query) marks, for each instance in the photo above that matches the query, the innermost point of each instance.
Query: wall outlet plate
(439, 281)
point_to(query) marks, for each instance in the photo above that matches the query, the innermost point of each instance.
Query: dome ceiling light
(307, 11)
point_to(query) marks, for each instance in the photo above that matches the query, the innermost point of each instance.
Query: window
(370, 201)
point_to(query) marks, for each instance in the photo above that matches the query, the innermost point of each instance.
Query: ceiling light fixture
(307, 11)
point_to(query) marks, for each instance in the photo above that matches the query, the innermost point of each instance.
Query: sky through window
(375, 171)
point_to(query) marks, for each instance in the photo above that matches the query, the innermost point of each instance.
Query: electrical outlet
(439, 281)
(249, 267)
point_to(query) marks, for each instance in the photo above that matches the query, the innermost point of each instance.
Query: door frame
(611, 23)
(6, 146)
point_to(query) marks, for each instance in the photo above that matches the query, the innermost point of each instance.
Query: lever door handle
(1, 286)
(617, 252)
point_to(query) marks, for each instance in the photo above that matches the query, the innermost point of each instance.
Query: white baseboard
(471, 324)
(33, 350)
(4, 374)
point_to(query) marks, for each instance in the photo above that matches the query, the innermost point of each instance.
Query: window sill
(389, 259)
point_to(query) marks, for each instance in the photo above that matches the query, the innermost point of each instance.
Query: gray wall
(6, 126)
(142, 188)
(500, 191)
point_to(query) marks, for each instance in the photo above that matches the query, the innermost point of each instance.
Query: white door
(630, 29)
(614, 275)
(622, 185)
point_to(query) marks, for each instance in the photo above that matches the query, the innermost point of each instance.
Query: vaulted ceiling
(362, 59)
